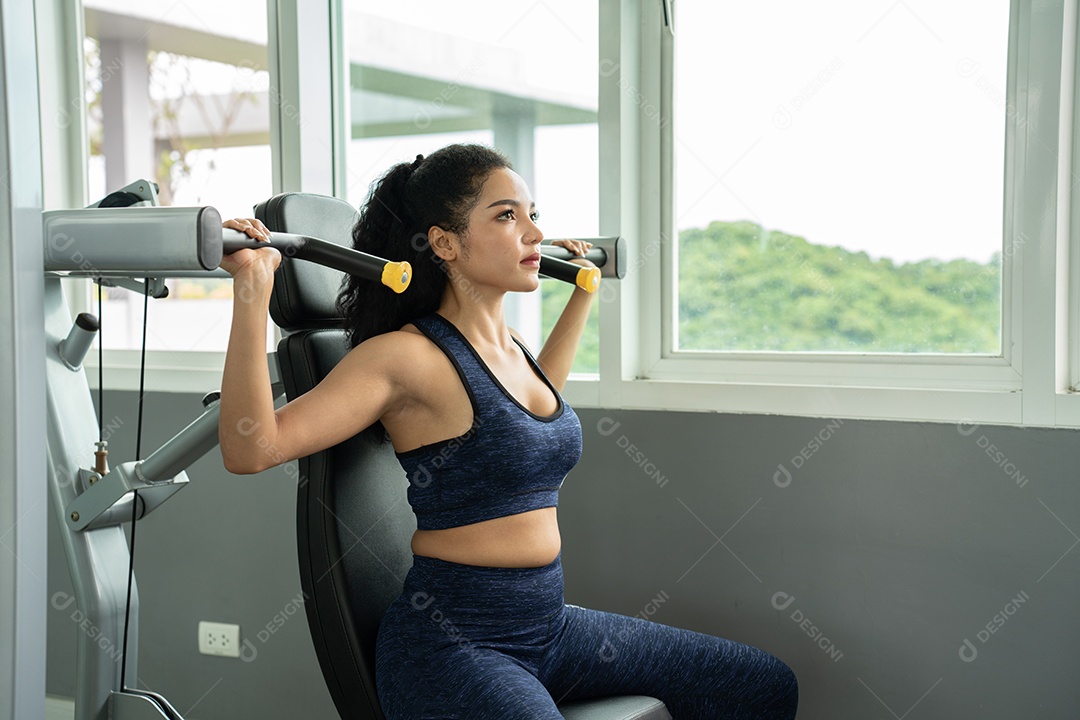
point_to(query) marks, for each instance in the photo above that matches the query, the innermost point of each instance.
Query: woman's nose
(537, 234)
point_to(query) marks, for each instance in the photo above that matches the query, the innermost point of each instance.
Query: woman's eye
(509, 215)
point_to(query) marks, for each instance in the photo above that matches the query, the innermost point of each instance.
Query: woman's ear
(444, 246)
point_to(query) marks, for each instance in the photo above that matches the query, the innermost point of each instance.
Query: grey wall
(890, 546)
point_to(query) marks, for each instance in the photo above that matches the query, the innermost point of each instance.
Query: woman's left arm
(557, 356)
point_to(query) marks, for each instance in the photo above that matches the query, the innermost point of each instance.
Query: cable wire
(135, 495)
(100, 366)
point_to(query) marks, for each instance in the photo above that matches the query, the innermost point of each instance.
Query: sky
(876, 126)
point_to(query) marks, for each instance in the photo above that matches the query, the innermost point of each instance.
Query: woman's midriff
(528, 539)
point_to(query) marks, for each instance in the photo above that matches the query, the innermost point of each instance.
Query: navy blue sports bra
(510, 461)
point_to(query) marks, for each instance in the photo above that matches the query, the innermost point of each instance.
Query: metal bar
(183, 449)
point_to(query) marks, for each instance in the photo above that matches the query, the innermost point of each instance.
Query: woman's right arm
(253, 436)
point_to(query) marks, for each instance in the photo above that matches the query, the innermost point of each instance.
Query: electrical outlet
(219, 639)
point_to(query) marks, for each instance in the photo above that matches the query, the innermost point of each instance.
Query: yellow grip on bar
(397, 275)
(588, 279)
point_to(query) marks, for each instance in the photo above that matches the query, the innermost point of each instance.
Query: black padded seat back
(353, 521)
(353, 527)
(305, 294)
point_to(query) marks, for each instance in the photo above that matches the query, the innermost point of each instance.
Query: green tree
(745, 288)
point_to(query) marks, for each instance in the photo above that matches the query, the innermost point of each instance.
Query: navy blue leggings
(466, 641)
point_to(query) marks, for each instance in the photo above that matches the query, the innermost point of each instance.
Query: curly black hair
(438, 190)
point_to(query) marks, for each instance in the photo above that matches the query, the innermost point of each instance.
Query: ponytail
(385, 229)
(439, 190)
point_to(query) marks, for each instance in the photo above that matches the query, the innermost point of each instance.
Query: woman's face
(501, 245)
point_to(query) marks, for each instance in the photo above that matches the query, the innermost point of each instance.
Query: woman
(480, 629)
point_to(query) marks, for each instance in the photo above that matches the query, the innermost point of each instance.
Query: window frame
(302, 160)
(1017, 387)
(1067, 257)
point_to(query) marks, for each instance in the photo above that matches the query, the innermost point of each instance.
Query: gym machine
(127, 240)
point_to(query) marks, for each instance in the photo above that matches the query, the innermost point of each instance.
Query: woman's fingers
(578, 246)
(265, 231)
(252, 227)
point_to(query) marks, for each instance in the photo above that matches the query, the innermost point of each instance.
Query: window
(521, 78)
(760, 277)
(178, 94)
(1014, 369)
(840, 176)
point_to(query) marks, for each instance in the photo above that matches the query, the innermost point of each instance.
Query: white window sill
(170, 372)
(878, 403)
(199, 373)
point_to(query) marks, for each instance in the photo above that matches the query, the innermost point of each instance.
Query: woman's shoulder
(399, 344)
(407, 354)
(408, 360)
